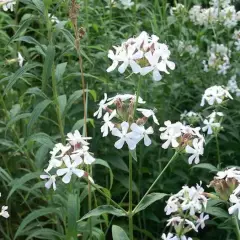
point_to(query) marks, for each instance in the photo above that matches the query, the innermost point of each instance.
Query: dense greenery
(43, 101)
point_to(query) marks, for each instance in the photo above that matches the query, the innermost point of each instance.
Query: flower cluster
(215, 95)
(186, 47)
(4, 213)
(7, 5)
(187, 210)
(218, 59)
(212, 123)
(220, 12)
(119, 119)
(177, 10)
(183, 138)
(191, 117)
(67, 160)
(227, 186)
(144, 54)
(232, 86)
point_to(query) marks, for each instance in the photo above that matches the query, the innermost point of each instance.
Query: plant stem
(137, 96)
(55, 96)
(218, 151)
(237, 230)
(130, 215)
(165, 168)
(105, 195)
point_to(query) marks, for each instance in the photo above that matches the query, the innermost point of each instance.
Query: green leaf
(47, 68)
(47, 233)
(105, 164)
(207, 166)
(217, 212)
(30, 40)
(80, 123)
(72, 216)
(39, 5)
(42, 138)
(18, 183)
(36, 91)
(118, 233)
(18, 74)
(23, 27)
(150, 199)
(103, 210)
(60, 69)
(62, 100)
(36, 113)
(33, 216)
(17, 118)
(72, 99)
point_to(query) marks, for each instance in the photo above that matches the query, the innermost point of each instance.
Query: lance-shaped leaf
(149, 199)
(118, 233)
(103, 210)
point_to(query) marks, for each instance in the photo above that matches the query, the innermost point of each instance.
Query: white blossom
(76, 138)
(215, 94)
(209, 125)
(142, 133)
(196, 151)
(4, 212)
(235, 205)
(102, 106)
(51, 180)
(107, 122)
(201, 220)
(71, 168)
(8, 5)
(20, 59)
(124, 136)
(148, 113)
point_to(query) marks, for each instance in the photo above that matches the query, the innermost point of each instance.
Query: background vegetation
(36, 113)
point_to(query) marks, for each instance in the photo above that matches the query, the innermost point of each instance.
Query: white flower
(215, 94)
(124, 137)
(53, 18)
(129, 58)
(169, 236)
(51, 180)
(171, 206)
(142, 133)
(59, 147)
(8, 4)
(71, 168)
(196, 151)
(20, 59)
(236, 205)
(201, 220)
(83, 154)
(125, 97)
(148, 113)
(53, 163)
(108, 124)
(215, 114)
(127, 3)
(174, 221)
(76, 138)
(172, 132)
(229, 173)
(210, 125)
(4, 213)
(102, 106)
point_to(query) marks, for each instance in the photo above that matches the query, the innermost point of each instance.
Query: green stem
(137, 96)
(218, 151)
(156, 180)
(106, 196)
(237, 230)
(55, 96)
(89, 203)
(130, 215)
